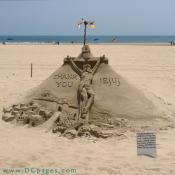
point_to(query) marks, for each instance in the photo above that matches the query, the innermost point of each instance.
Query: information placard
(146, 144)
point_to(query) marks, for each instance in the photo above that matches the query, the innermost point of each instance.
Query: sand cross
(85, 92)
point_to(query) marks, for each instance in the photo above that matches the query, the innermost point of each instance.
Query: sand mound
(114, 97)
(115, 102)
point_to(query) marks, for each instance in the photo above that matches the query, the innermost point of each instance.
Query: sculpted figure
(85, 91)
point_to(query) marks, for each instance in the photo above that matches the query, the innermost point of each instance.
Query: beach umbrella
(86, 23)
(92, 25)
(96, 39)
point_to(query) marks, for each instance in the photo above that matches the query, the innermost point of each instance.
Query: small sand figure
(85, 91)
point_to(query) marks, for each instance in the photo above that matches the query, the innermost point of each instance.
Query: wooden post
(85, 27)
(31, 70)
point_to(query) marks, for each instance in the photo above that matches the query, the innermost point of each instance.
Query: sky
(112, 17)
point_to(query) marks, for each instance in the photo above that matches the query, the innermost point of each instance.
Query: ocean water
(90, 39)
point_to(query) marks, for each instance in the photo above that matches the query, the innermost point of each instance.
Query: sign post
(31, 70)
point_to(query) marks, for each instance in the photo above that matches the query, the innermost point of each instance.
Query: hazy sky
(112, 17)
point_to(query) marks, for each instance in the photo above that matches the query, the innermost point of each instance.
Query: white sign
(146, 144)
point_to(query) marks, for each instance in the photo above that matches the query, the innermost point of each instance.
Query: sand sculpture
(83, 97)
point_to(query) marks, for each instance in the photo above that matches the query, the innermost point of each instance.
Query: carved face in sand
(87, 68)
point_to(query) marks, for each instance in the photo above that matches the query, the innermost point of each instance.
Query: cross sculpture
(85, 65)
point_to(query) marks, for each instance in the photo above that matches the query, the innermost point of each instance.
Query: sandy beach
(151, 68)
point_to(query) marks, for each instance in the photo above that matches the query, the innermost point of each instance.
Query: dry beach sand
(150, 68)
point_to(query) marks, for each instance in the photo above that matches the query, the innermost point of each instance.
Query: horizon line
(87, 35)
